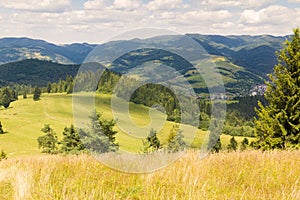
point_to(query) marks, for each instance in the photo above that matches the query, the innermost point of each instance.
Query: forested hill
(243, 61)
(35, 72)
(16, 49)
(255, 53)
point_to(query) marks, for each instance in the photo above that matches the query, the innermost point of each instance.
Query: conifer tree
(6, 101)
(278, 124)
(152, 142)
(25, 95)
(48, 142)
(232, 146)
(244, 144)
(175, 140)
(71, 142)
(100, 137)
(36, 94)
(214, 143)
(48, 88)
(6, 97)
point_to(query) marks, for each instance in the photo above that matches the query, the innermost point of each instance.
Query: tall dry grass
(245, 175)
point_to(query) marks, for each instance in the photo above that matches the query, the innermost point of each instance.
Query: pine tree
(175, 140)
(71, 142)
(244, 144)
(6, 101)
(100, 137)
(232, 146)
(25, 95)
(48, 142)
(6, 97)
(214, 143)
(1, 129)
(48, 88)
(152, 142)
(278, 124)
(36, 93)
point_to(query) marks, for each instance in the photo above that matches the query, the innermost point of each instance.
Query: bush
(3, 155)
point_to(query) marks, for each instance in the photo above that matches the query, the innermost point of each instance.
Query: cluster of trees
(232, 146)
(7, 96)
(61, 86)
(175, 141)
(98, 138)
(151, 94)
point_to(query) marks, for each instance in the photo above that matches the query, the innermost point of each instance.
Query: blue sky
(95, 21)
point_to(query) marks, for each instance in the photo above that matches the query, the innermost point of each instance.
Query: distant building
(258, 90)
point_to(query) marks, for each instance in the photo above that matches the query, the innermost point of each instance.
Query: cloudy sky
(95, 21)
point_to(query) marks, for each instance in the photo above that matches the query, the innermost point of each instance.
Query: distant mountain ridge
(256, 53)
(16, 49)
(243, 61)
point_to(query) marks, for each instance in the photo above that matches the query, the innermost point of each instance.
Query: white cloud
(99, 19)
(254, 4)
(294, 1)
(127, 4)
(221, 4)
(274, 14)
(164, 4)
(94, 4)
(36, 5)
(208, 16)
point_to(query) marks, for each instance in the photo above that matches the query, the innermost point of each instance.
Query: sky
(96, 21)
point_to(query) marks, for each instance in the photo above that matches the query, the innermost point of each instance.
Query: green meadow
(23, 121)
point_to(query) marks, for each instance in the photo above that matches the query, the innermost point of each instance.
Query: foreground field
(246, 175)
(25, 118)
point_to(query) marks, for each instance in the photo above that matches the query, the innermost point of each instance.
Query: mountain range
(243, 61)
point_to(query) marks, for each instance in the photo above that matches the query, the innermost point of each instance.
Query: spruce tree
(100, 137)
(152, 142)
(48, 88)
(36, 93)
(71, 142)
(244, 144)
(25, 95)
(278, 124)
(6, 101)
(6, 97)
(48, 142)
(214, 143)
(175, 140)
(232, 146)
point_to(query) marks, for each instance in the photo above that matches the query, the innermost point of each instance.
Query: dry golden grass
(245, 175)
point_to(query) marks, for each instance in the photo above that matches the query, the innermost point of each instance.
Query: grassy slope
(25, 118)
(247, 175)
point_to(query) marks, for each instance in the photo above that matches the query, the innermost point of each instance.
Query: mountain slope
(255, 53)
(15, 49)
(35, 72)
